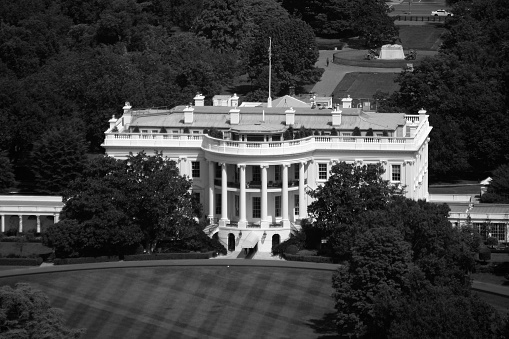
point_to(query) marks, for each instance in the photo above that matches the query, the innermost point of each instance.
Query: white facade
(252, 183)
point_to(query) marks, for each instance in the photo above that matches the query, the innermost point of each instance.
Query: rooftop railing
(311, 143)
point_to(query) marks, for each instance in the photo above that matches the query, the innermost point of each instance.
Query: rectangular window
(218, 203)
(296, 205)
(256, 207)
(277, 173)
(257, 174)
(396, 173)
(277, 202)
(196, 132)
(296, 171)
(196, 169)
(154, 131)
(175, 132)
(322, 171)
(237, 204)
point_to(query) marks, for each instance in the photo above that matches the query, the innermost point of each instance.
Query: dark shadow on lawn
(325, 326)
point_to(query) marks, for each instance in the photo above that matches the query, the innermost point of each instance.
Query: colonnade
(20, 228)
(264, 221)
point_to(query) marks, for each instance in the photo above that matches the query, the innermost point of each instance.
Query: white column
(243, 219)
(20, 223)
(56, 217)
(224, 195)
(3, 222)
(212, 167)
(284, 200)
(264, 196)
(409, 179)
(38, 223)
(303, 213)
(183, 166)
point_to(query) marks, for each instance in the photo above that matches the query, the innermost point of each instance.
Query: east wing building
(251, 165)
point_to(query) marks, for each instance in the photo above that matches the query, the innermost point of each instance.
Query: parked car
(441, 12)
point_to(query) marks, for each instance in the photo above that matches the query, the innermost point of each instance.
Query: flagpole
(269, 100)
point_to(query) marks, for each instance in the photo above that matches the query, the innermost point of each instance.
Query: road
(417, 7)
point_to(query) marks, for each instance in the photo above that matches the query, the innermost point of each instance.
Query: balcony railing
(270, 148)
(258, 184)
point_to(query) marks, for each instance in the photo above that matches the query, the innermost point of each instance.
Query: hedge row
(136, 257)
(83, 260)
(20, 261)
(169, 256)
(296, 257)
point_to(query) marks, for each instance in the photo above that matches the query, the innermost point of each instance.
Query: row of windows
(322, 172)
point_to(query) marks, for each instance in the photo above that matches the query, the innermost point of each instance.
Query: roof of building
(480, 208)
(289, 101)
(267, 119)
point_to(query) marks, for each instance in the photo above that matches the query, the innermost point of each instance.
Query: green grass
(364, 85)
(191, 302)
(468, 189)
(425, 37)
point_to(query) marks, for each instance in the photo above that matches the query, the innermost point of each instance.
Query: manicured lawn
(364, 84)
(460, 189)
(425, 37)
(192, 302)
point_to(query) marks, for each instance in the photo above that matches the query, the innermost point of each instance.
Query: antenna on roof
(269, 100)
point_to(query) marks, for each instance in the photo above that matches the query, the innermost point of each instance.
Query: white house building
(252, 182)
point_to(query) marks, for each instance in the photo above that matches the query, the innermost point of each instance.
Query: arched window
(231, 242)
(276, 239)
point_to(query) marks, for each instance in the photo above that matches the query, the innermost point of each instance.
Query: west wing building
(251, 165)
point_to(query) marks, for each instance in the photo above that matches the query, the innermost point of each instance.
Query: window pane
(278, 205)
(322, 171)
(396, 172)
(256, 207)
(196, 169)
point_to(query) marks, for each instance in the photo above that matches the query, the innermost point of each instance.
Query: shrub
(292, 249)
(298, 240)
(356, 132)
(291, 257)
(12, 261)
(83, 260)
(369, 133)
(492, 241)
(169, 256)
(12, 232)
(484, 254)
(163, 130)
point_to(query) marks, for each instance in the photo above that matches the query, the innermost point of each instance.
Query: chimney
(235, 100)
(336, 117)
(188, 115)
(234, 116)
(347, 102)
(422, 114)
(126, 118)
(290, 116)
(199, 100)
(112, 122)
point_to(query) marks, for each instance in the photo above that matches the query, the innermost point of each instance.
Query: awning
(250, 241)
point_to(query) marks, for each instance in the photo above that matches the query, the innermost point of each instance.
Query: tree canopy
(116, 205)
(400, 257)
(367, 19)
(26, 313)
(465, 91)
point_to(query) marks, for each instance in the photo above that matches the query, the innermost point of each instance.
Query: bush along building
(252, 164)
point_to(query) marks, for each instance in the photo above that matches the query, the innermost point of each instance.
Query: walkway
(334, 73)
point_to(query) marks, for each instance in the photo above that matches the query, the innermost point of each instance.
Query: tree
(223, 22)
(7, 179)
(368, 19)
(27, 313)
(350, 191)
(498, 190)
(380, 261)
(293, 54)
(59, 157)
(356, 132)
(117, 205)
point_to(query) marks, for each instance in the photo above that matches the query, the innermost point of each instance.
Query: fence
(421, 18)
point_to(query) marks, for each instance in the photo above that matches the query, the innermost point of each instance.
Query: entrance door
(275, 240)
(231, 242)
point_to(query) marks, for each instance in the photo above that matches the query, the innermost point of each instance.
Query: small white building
(253, 182)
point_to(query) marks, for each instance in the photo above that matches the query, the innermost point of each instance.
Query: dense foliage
(66, 61)
(27, 313)
(400, 257)
(367, 19)
(118, 205)
(498, 189)
(465, 90)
